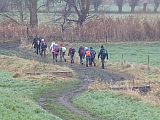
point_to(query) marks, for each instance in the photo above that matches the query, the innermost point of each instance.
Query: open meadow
(20, 93)
(38, 88)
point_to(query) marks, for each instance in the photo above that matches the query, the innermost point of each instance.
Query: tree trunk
(21, 13)
(47, 6)
(33, 13)
(119, 8)
(69, 7)
(82, 14)
(132, 9)
(81, 19)
(95, 8)
(144, 7)
(156, 7)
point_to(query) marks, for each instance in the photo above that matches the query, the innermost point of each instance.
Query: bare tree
(133, 4)
(156, 2)
(19, 5)
(48, 4)
(32, 6)
(119, 3)
(96, 4)
(81, 8)
(144, 3)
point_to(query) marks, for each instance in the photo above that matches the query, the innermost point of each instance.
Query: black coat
(101, 54)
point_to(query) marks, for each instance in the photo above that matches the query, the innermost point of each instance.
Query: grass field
(113, 106)
(18, 98)
(133, 52)
(19, 95)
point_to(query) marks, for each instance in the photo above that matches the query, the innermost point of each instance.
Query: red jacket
(54, 50)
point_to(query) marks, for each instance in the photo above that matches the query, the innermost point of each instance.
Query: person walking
(62, 52)
(103, 54)
(34, 43)
(71, 53)
(81, 52)
(43, 48)
(88, 56)
(37, 46)
(52, 49)
(93, 55)
(56, 52)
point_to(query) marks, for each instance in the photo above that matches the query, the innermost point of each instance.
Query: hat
(86, 48)
(61, 44)
(42, 40)
(101, 46)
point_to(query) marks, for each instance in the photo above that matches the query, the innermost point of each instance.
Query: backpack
(63, 49)
(57, 49)
(88, 53)
(82, 50)
(104, 53)
(44, 45)
(93, 53)
(72, 50)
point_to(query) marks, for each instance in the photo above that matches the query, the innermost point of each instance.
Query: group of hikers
(39, 45)
(84, 52)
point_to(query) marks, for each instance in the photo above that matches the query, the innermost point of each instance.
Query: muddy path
(85, 75)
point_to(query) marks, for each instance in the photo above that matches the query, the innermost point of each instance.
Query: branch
(41, 6)
(9, 18)
(72, 20)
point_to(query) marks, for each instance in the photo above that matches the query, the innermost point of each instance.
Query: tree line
(79, 7)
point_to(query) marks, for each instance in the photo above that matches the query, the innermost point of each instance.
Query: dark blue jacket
(101, 54)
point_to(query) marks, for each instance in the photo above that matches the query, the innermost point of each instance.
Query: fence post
(123, 61)
(148, 63)
(27, 32)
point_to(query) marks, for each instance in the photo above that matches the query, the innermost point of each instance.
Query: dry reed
(129, 28)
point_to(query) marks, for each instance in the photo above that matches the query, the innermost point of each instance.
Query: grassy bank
(114, 106)
(17, 98)
(20, 92)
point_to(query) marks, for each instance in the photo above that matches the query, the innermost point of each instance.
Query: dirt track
(86, 75)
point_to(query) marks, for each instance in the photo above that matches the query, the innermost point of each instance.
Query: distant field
(133, 52)
(127, 8)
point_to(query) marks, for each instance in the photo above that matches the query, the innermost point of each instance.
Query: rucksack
(63, 49)
(104, 53)
(57, 49)
(93, 53)
(88, 53)
(44, 45)
(81, 50)
(72, 50)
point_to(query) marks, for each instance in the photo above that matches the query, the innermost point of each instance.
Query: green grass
(112, 106)
(133, 52)
(18, 98)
